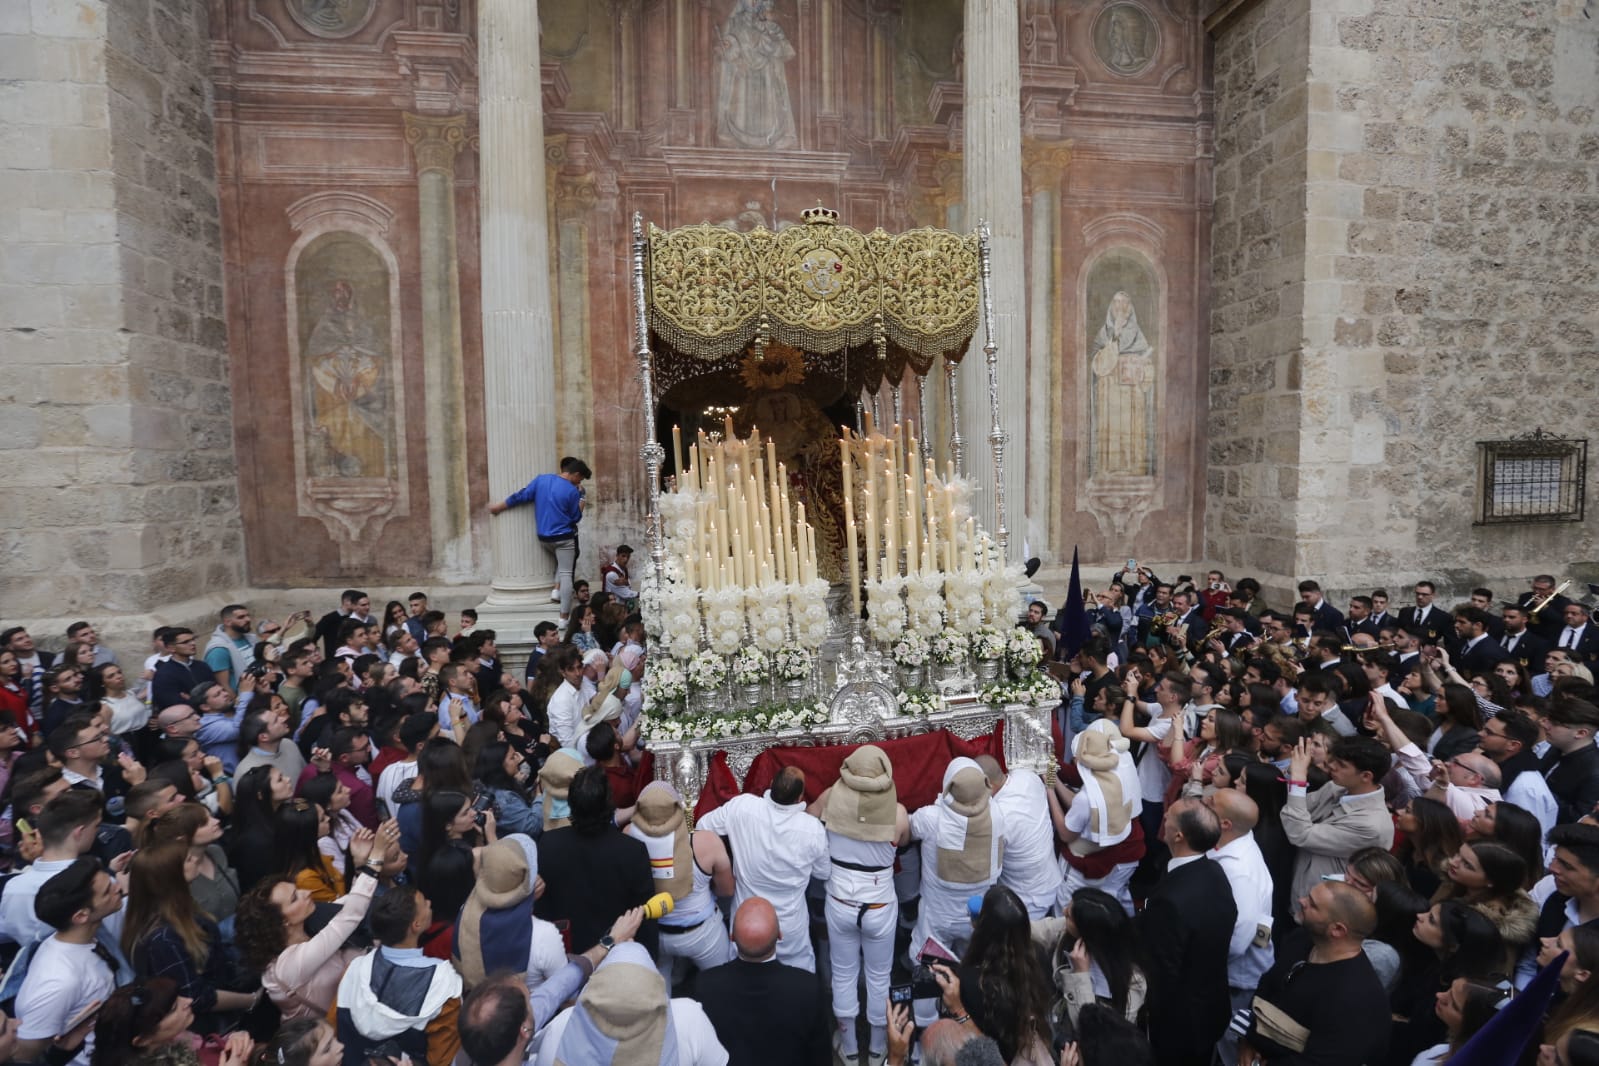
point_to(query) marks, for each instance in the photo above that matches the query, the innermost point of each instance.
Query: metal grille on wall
(1535, 477)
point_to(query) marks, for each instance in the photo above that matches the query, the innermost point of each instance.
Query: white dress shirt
(1250, 954)
(777, 849)
(565, 711)
(1030, 868)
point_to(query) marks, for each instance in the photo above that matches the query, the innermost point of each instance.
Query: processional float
(757, 639)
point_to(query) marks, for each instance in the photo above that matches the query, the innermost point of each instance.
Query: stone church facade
(1282, 265)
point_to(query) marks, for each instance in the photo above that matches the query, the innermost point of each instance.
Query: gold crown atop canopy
(819, 215)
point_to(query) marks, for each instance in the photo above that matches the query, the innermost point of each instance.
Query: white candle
(852, 558)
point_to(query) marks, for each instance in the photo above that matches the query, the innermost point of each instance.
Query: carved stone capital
(435, 141)
(1043, 162)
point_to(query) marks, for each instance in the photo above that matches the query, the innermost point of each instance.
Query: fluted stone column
(993, 187)
(518, 345)
(436, 142)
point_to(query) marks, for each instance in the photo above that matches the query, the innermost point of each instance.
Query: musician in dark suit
(1483, 600)
(765, 1012)
(1478, 651)
(1380, 615)
(1326, 615)
(1191, 616)
(1186, 927)
(1521, 643)
(1432, 625)
(1579, 636)
(1359, 619)
(1551, 617)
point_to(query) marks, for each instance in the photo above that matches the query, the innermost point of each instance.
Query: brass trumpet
(1532, 612)
(1388, 645)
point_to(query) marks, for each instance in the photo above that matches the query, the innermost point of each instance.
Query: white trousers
(848, 943)
(705, 947)
(1115, 883)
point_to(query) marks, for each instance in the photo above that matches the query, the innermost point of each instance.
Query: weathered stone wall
(1451, 221)
(1257, 286)
(114, 407)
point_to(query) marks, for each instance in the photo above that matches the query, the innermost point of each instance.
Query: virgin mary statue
(1123, 365)
(752, 103)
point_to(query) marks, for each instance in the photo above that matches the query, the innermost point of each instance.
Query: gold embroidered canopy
(821, 287)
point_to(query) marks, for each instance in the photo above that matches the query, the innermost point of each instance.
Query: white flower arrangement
(749, 666)
(1023, 651)
(793, 663)
(767, 608)
(917, 704)
(988, 644)
(885, 611)
(724, 620)
(947, 647)
(707, 670)
(808, 607)
(1037, 689)
(909, 651)
(763, 721)
(924, 601)
(963, 599)
(666, 681)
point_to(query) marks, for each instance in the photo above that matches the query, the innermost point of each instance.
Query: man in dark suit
(1186, 927)
(1521, 643)
(1360, 618)
(1326, 616)
(1579, 636)
(1429, 623)
(176, 676)
(1571, 766)
(1483, 600)
(1479, 652)
(766, 1013)
(1550, 617)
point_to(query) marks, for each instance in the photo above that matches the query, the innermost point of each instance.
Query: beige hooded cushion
(863, 804)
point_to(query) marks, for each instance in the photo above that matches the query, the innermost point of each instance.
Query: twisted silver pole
(996, 435)
(957, 446)
(652, 453)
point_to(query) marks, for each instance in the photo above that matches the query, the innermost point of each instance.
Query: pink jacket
(304, 978)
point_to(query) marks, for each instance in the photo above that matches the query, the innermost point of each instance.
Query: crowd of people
(1275, 837)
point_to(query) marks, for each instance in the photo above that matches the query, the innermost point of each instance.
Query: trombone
(1532, 613)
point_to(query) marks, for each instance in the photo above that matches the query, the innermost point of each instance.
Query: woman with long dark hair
(1266, 785)
(1459, 718)
(1488, 876)
(1221, 731)
(1517, 829)
(298, 826)
(257, 797)
(1463, 1008)
(580, 628)
(503, 770)
(1464, 944)
(450, 835)
(1432, 837)
(215, 886)
(146, 1023)
(441, 766)
(1097, 958)
(1579, 981)
(999, 983)
(165, 934)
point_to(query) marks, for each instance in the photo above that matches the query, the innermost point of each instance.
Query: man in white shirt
(777, 848)
(66, 827)
(1030, 868)
(1250, 953)
(565, 708)
(1153, 773)
(405, 647)
(1508, 739)
(74, 968)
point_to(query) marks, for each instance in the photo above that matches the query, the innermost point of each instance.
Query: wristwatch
(607, 942)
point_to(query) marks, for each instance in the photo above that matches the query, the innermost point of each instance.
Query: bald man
(1249, 955)
(1322, 982)
(763, 1011)
(179, 720)
(1466, 784)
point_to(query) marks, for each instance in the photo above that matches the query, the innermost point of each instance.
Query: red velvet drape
(918, 761)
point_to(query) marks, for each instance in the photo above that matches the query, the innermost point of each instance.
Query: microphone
(659, 906)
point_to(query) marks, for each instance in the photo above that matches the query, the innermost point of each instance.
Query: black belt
(857, 867)
(861, 908)
(682, 928)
